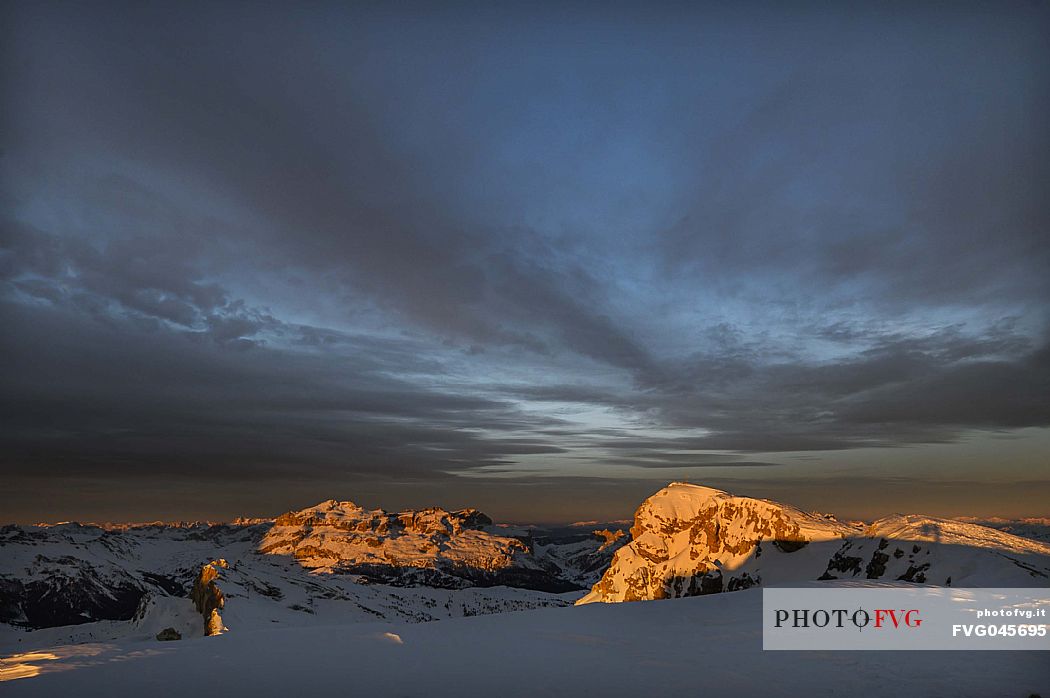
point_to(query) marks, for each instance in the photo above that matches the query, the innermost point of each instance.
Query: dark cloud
(371, 243)
(900, 391)
(78, 400)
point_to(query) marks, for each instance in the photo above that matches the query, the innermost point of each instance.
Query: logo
(905, 617)
(840, 617)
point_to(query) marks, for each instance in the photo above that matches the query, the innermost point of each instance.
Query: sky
(540, 258)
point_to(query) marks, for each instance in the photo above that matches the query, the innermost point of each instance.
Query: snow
(159, 612)
(709, 645)
(953, 532)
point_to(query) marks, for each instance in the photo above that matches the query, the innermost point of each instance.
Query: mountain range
(337, 563)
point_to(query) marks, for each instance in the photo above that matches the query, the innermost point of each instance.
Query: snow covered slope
(946, 552)
(689, 540)
(706, 646)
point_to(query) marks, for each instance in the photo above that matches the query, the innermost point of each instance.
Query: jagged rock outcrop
(208, 598)
(689, 540)
(432, 547)
(348, 516)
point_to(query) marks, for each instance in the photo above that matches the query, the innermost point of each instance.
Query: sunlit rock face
(689, 540)
(434, 547)
(348, 516)
(208, 598)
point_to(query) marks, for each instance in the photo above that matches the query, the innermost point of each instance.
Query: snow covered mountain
(689, 540)
(335, 560)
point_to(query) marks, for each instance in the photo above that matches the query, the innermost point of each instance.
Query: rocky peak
(438, 521)
(347, 516)
(723, 524)
(430, 546)
(690, 540)
(330, 512)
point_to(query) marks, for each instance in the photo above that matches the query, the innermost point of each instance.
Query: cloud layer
(368, 245)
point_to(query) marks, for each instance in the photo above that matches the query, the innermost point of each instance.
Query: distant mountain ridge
(689, 540)
(1034, 527)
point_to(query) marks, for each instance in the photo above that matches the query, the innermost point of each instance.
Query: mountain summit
(689, 540)
(432, 547)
